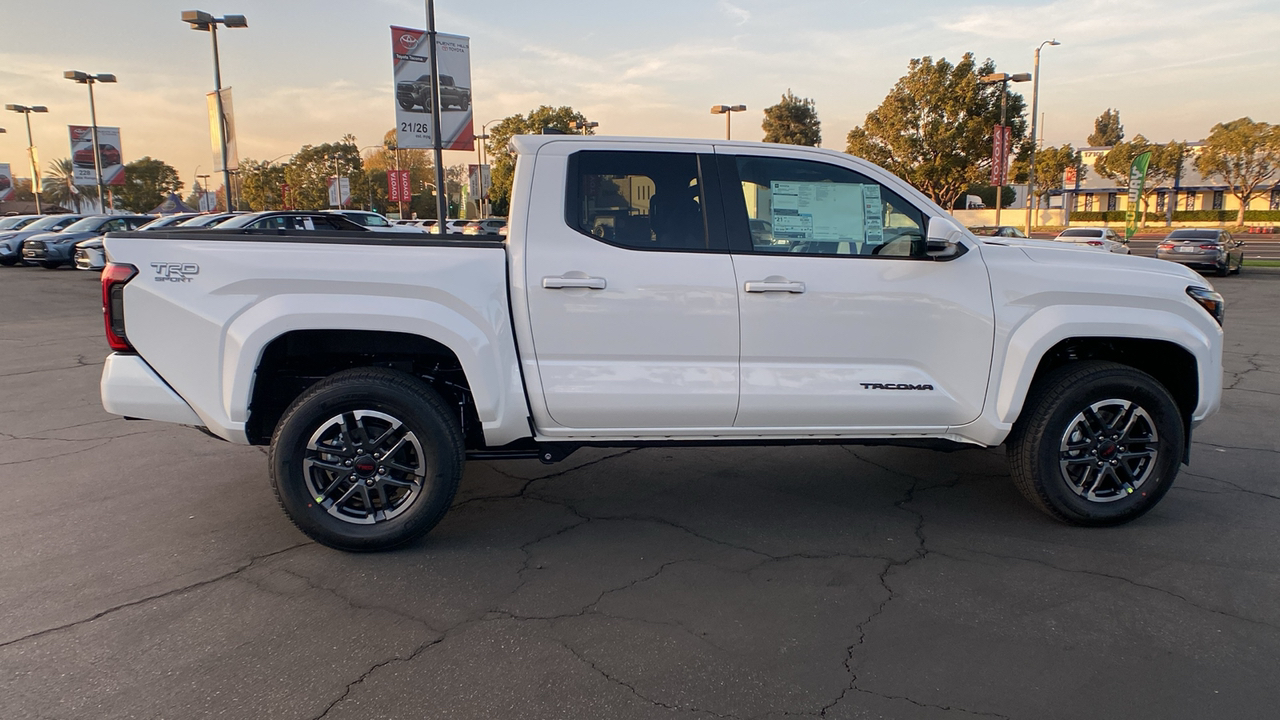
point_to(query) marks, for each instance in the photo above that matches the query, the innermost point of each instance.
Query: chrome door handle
(772, 285)
(558, 282)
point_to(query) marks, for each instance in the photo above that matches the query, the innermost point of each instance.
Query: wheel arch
(294, 361)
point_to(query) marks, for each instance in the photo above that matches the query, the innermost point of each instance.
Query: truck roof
(531, 143)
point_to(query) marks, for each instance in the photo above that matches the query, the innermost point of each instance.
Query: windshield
(240, 221)
(15, 223)
(88, 224)
(52, 222)
(203, 220)
(1193, 235)
(165, 222)
(368, 219)
(1081, 233)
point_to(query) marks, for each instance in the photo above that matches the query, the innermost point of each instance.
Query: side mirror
(942, 249)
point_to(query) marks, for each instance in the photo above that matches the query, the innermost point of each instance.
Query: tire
(7, 262)
(47, 265)
(376, 504)
(1066, 474)
(1223, 270)
(405, 104)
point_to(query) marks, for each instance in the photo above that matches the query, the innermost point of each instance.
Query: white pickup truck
(661, 292)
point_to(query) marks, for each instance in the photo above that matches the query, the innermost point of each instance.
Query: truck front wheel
(1098, 443)
(366, 459)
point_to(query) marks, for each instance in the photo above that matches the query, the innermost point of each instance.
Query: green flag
(1137, 179)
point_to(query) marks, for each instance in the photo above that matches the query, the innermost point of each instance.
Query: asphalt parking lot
(146, 572)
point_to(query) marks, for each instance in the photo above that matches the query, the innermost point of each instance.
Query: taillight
(1166, 246)
(1208, 247)
(1094, 243)
(114, 277)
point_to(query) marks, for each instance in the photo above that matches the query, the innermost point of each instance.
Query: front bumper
(131, 388)
(90, 259)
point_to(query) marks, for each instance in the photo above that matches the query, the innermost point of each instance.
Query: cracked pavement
(147, 572)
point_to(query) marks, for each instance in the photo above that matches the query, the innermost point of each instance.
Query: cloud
(742, 15)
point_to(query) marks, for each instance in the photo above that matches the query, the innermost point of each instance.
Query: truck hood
(1050, 252)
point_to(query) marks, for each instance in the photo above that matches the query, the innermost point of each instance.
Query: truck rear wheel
(366, 459)
(1098, 443)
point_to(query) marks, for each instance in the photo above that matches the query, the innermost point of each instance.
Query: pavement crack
(1234, 486)
(378, 666)
(151, 598)
(1120, 578)
(917, 703)
(632, 688)
(528, 482)
(1233, 447)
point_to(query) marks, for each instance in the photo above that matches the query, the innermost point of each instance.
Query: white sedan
(1094, 238)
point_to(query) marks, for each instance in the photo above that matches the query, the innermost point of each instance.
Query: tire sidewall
(1164, 413)
(289, 447)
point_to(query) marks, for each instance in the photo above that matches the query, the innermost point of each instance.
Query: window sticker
(825, 212)
(873, 209)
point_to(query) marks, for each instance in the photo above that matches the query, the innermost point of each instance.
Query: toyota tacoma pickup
(662, 292)
(417, 93)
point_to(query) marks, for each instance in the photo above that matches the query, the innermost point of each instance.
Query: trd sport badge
(175, 272)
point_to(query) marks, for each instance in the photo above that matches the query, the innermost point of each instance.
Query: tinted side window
(639, 200)
(813, 208)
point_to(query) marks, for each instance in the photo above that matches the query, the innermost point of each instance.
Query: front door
(846, 322)
(630, 290)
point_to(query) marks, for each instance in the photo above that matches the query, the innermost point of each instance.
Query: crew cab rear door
(846, 323)
(629, 288)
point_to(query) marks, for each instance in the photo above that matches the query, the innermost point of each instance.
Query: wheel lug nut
(377, 455)
(369, 482)
(347, 463)
(382, 471)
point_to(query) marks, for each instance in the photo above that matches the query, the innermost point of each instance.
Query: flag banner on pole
(109, 154)
(6, 182)
(1001, 137)
(412, 62)
(228, 126)
(1137, 180)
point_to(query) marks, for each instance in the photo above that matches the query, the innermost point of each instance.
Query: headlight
(1211, 301)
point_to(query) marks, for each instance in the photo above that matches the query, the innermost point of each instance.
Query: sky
(309, 71)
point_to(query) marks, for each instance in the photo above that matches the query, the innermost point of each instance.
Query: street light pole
(205, 22)
(480, 174)
(87, 79)
(442, 201)
(1003, 79)
(1035, 97)
(727, 111)
(26, 110)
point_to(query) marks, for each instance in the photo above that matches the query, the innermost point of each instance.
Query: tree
(503, 161)
(1051, 163)
(1166, 163)
(59, 185)
(309, 172)
(1244, 154)
(793, 121)
(1107, 130)
(260, 185)
(934, 127)
(147, 182)
(421, 170)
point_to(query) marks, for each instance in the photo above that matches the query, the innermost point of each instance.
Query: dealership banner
(6, 182)
(229, 127)
(1137, 179)
(110, 155)
(339, 191)
(478, 181)
(412, 62)
(1001, 138)
(398, 189)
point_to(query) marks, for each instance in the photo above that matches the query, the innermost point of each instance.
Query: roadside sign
(110, 155)
(413, 86)
(1137, 179)
(339, 192)
(1069, 177)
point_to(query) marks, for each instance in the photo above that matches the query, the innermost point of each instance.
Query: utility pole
(442, 202)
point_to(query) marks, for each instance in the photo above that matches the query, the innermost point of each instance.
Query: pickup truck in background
(660, 292)
(417, 94)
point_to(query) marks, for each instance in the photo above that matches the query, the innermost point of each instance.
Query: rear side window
(1081, 233)
(638, 200)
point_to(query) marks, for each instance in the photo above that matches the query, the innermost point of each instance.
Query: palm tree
(59, 186)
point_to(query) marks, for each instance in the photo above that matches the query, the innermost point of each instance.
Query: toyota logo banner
(6, 182)
(412, 62)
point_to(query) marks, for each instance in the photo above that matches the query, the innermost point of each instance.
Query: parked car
(206, 220)
(52, 250)
(13, 223)
(488, 226)
(11, 241)
(166, 221)
(108, 155)
(281, 220)
(374, 221)
(451, 226)
(373, 370)
(1203, 249)
(998, 231)
(1094, 238)
(413, 94)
